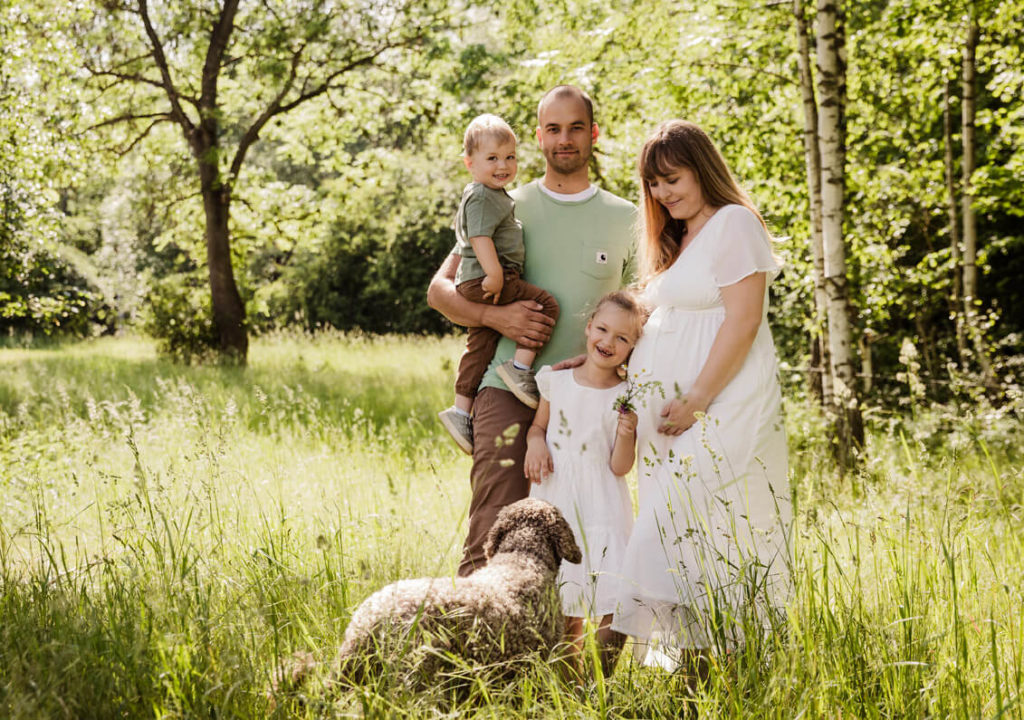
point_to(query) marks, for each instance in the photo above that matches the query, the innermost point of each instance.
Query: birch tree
(812, 154)
(849, 427)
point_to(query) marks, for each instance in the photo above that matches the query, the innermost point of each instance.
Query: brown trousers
(482, 341)
(500, 423)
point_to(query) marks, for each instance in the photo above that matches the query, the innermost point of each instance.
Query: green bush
(179, 316)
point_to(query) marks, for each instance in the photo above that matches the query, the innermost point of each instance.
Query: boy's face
(493, 163)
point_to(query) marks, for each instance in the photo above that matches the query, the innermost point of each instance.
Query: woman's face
(678, 192)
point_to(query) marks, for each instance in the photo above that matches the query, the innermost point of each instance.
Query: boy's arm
(521, 321)
(487, 256)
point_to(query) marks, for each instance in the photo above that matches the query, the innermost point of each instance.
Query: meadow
(170, 534)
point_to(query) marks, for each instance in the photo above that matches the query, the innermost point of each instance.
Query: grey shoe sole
(464, 444)
(527, 400)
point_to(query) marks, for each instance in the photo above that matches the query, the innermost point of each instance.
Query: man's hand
(521, 322)
(573, 362)
(492, 285)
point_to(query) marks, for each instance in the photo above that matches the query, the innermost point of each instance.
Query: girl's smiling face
(611, 335)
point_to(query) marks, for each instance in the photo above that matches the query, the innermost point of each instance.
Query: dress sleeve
(742, 249)
(543, 378)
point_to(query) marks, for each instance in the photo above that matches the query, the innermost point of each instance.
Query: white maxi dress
(596, 503)
(711, 533)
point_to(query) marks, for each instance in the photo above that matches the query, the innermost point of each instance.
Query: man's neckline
(564, 197)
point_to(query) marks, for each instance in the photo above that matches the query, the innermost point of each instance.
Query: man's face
(565, 134)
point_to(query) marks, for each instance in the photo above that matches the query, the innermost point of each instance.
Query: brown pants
(482, 341)
(500, 423)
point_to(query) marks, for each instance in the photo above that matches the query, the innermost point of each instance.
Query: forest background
(332, 145)
(206, 172)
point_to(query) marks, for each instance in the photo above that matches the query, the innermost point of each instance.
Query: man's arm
(521, 321)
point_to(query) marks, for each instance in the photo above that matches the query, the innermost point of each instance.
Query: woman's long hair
(672, 145)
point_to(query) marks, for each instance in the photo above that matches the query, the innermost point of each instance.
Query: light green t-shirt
(577, 251)
(487, 212)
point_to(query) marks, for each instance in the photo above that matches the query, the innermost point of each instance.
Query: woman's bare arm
(743, 306)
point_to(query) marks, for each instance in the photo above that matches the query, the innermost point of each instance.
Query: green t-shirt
(578, 252)
(489, 212)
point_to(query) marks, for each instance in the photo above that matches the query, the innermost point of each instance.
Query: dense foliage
(344, 209)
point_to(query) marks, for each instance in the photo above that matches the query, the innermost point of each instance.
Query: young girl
(578, 448)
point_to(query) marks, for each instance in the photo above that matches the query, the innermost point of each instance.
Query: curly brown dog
(422, 629)
(505, 610)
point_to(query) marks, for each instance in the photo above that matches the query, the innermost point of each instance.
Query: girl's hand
(538, 464)
(680, 414)
(627, 425)
(492, 285)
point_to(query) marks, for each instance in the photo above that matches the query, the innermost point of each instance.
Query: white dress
(711, 534)
(596, 503)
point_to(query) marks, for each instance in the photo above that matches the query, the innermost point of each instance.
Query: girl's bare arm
(538, 463)
(624, 449)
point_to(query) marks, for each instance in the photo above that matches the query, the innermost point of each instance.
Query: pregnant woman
(710, 539)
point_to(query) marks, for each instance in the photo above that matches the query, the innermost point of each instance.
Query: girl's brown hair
(625, 300)
(676, 144)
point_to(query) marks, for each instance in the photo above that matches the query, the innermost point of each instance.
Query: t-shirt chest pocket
(599, 260)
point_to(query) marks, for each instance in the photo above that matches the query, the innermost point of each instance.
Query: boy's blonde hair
(486, 125)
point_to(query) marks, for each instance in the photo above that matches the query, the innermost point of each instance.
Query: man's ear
(537, 133)
(594, 132)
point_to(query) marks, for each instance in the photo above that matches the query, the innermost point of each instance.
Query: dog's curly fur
(503, 611)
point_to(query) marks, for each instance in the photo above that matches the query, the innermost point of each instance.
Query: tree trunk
(970, 225)
(849, 432)
(821, 378)
(956, 301)
(228, 309)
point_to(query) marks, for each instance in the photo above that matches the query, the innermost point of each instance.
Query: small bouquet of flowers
(635, 391)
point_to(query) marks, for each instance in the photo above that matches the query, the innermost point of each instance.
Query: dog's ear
(504, 522)
(561, 535)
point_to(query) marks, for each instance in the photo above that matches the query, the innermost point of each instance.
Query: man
(579, 246)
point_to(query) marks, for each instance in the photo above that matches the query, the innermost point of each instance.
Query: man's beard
(567, 166)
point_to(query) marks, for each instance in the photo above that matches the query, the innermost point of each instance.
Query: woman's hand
(538, 464)
(680, 413)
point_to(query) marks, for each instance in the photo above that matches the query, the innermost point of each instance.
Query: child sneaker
(460, 427)
(521, 383)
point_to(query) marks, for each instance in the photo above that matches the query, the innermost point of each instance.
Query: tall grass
(170, 535)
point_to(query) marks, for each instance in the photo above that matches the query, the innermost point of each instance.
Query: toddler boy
(490, 241)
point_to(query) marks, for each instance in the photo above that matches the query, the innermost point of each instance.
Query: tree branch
(177, 112)
(215, 52)
(143, 134)
(277, 107)
(129, 117)
(122, 77)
